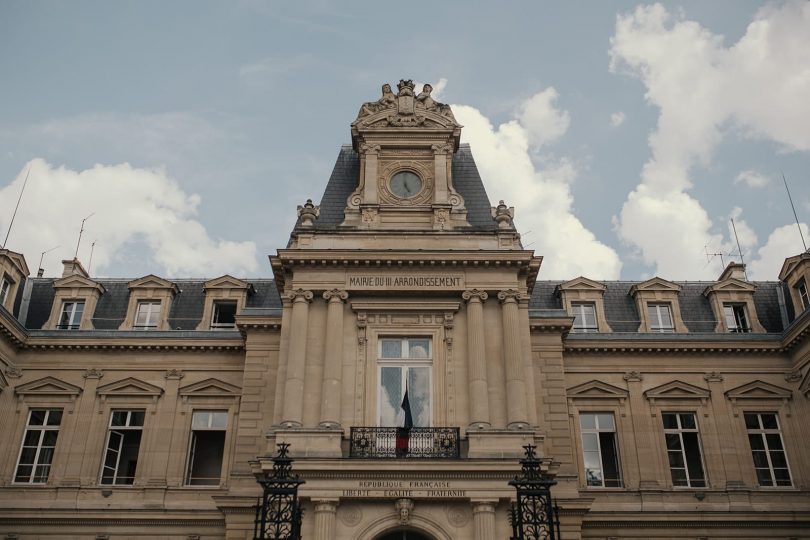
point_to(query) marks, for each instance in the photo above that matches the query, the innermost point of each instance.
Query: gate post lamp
(533, 516)
(278, 512)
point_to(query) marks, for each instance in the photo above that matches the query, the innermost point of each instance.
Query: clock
(405, 184)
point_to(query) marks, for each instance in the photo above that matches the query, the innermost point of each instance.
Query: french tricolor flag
(404, 431)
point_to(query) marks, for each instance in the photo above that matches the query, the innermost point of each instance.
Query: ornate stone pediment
(152, 281)
(677, 390)
(596, 390)
(405, 109)
(210, 388)
(759, 390)
(48, 386)
(76, 281)
(581, 284)
(226, 282)
(730, 285)
(131, 387)
(655, 284)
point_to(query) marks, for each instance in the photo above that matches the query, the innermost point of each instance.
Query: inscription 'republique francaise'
(405, 282)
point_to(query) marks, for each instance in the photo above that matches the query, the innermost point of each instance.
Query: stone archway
(404, 534)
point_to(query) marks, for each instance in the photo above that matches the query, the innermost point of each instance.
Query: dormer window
(71, 315)
(224, 317)
(803, 296)
(660, 318)
(584, 317)
(736, 318)
(147, 315)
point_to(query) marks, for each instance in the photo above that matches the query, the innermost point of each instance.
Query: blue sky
(626, 135)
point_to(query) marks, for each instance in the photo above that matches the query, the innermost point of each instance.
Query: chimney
(734, 270)
(73, 267)
(40, 272)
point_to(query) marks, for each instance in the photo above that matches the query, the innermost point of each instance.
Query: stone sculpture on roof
(406, 109)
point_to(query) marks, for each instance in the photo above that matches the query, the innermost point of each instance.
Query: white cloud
(131, 205)
(541, 118)
(617, 119)
(758, 86)
(539, 188)
(752, 179)
(782, 243)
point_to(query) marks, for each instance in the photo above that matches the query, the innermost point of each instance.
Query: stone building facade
(148, 407)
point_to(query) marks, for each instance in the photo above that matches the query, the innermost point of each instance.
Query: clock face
(405, 184)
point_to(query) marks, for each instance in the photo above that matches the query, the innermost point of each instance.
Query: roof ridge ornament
(406, 107)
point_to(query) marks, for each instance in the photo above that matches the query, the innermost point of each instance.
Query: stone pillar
(477, 359)
(484, 520)
(333, 359)
(370, 152)
(727, 436)
(325, 510)
(296, 359)
(649, 464)
(515, 377)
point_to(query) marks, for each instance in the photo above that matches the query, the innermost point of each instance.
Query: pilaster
(333, 359)
(476, 354)
(296, 359)
(513, 363)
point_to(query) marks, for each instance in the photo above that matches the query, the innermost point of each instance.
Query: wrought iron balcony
(399, 443)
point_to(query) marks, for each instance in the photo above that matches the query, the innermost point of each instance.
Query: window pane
(610, 457)
(136, 418)
(391, 395)
(128, 461)
(419, 348)
(27, 455)
(676, 459)
(587, 421)
(679, 477)
(673, 441)
(37, 418)
(764, 477)
(49, 438)
(687, 421)
(119, 418)
(670, 421)
(751, 421)
(23, 473)
(774, 441)
(590, 442)
(605, 421)
(760, 459)
(782, 477)
(54, 418)
(778, 460)
(756, 441)
(219, 419)
(391, 348)
(769, 421)
(419, 395)
(666, 316)
(200, 419)
(31, 437)
(205, 464)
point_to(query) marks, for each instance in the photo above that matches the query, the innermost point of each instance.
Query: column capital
(299, 295)
(510, 295)
(335, 295)
(474, 295)
(487, 506)
(326, 505)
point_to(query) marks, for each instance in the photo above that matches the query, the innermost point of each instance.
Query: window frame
(659, 328)
(106, 447)
(598, 430)
(680, 431)
(804, 297)
(405, 362)
(577, 306)
(72, 324)
(5, 290)
(151, 312)
(191, 450)
(42, 428)
(763, 432)
(729, 318)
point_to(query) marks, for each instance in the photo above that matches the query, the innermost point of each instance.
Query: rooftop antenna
(41, 271)
(92, 247)
(794, 211)
(710, 256)
(76, 255)
(16, 207)
(739, 249)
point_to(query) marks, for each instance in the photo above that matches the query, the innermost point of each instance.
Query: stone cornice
(134, 341)
(634, 345)
(11, 329)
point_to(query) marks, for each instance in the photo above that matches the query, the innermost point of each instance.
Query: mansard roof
(346, 175)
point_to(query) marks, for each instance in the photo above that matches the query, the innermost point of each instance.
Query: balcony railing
(398, 443)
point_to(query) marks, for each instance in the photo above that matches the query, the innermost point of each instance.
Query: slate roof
(185, 313)
(696, 311)
(346, 176)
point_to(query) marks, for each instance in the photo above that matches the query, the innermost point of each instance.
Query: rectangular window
(38, 445)
(736, 318)
(206, 448)
(71, 316)
(765, 438)
(147, 315)
(224, 315)
(660, 318)
(584, 317)
(600, 450)
(123, 445)
(683, 450)
(5, 287)
(404, 363)
(803, 296)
